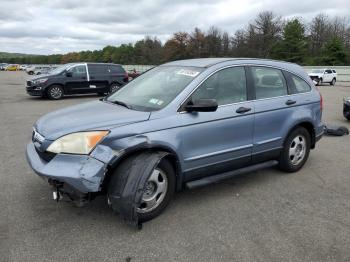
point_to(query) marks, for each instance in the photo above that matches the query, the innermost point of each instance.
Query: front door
(215, 142)
(76, 81)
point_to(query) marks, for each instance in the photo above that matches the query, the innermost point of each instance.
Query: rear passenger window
(300, 86)
(98, 69)
(269, 82)
(226, 86)
(114, 69)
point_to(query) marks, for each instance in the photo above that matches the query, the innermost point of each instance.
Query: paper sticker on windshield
(188, 72)
(156, 101)
(153, 101)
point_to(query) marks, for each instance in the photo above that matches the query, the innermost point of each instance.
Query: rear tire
(55, 92)
(333, 82)
(295, 151)
(114, 88)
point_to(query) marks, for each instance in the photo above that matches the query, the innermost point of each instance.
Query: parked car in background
(38, 69)
(43, 70)
(23, 67)
(346, 108)
(78, 78)
(12, 67)
(3, 66)
(321, 76)
(151, 137)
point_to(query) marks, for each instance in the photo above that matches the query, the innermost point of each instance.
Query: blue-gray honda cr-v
(182, 124)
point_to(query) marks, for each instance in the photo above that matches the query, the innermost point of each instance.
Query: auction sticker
(188, 72)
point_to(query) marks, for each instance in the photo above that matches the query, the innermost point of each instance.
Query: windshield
(317, 71)
(156, 88)
(59, 69)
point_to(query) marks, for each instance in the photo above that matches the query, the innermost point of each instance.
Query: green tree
(334, 52)
(293, 45)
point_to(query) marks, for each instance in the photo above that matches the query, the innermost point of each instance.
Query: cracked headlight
(77, 143)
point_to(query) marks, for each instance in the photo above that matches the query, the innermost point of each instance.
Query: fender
(143, 143)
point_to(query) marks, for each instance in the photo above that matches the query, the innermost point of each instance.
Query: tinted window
(269, 82)
(334, 71)
(115, 69)
(98, 69)
(226, 86)
(329, 71)
(300, 86)
(78, 70)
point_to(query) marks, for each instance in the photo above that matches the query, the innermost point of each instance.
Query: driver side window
(226, 86)
(79, 70)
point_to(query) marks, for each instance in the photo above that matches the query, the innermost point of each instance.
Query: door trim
(218, 152)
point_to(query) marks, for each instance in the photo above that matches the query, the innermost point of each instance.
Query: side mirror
(202, 105)
(69, 74)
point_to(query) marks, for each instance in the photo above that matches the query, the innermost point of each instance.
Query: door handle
(243, 110)
(290, 102)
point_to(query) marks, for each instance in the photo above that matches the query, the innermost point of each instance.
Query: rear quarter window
(296, 84)
(300, 85)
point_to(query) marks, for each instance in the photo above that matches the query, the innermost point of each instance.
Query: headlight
(77, 143)
(40, 81)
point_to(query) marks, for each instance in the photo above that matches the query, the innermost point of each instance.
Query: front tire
(158, 190)
(55, 92)
(295, 151)
(319, 82)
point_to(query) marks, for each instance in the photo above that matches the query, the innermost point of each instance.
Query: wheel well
(171, 157)
(115, 82)
(310, 128)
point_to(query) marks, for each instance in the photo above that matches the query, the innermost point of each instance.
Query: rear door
(214, 142)
(99, 77)
(273, 108)
(77, 79)
(328, 75)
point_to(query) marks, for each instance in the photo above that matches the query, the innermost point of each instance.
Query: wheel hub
(154, 191)
(297, 150)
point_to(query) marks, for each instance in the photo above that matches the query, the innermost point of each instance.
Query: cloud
(60, 26)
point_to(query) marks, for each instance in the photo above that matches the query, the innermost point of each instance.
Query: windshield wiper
(121, 103)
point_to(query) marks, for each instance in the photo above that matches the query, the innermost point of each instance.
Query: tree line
(323, 41)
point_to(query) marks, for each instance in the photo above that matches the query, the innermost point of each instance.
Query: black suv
(78, 78)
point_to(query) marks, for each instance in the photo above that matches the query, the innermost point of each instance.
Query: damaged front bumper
(84, 173)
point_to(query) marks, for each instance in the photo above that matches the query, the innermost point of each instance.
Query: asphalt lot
(262, 216)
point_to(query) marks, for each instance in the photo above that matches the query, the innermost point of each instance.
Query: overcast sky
(61, 26)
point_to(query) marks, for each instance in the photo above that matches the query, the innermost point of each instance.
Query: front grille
(29, 83)
(314, 77)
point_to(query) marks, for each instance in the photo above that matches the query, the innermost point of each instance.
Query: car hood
(34, 78)
(95, 115)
